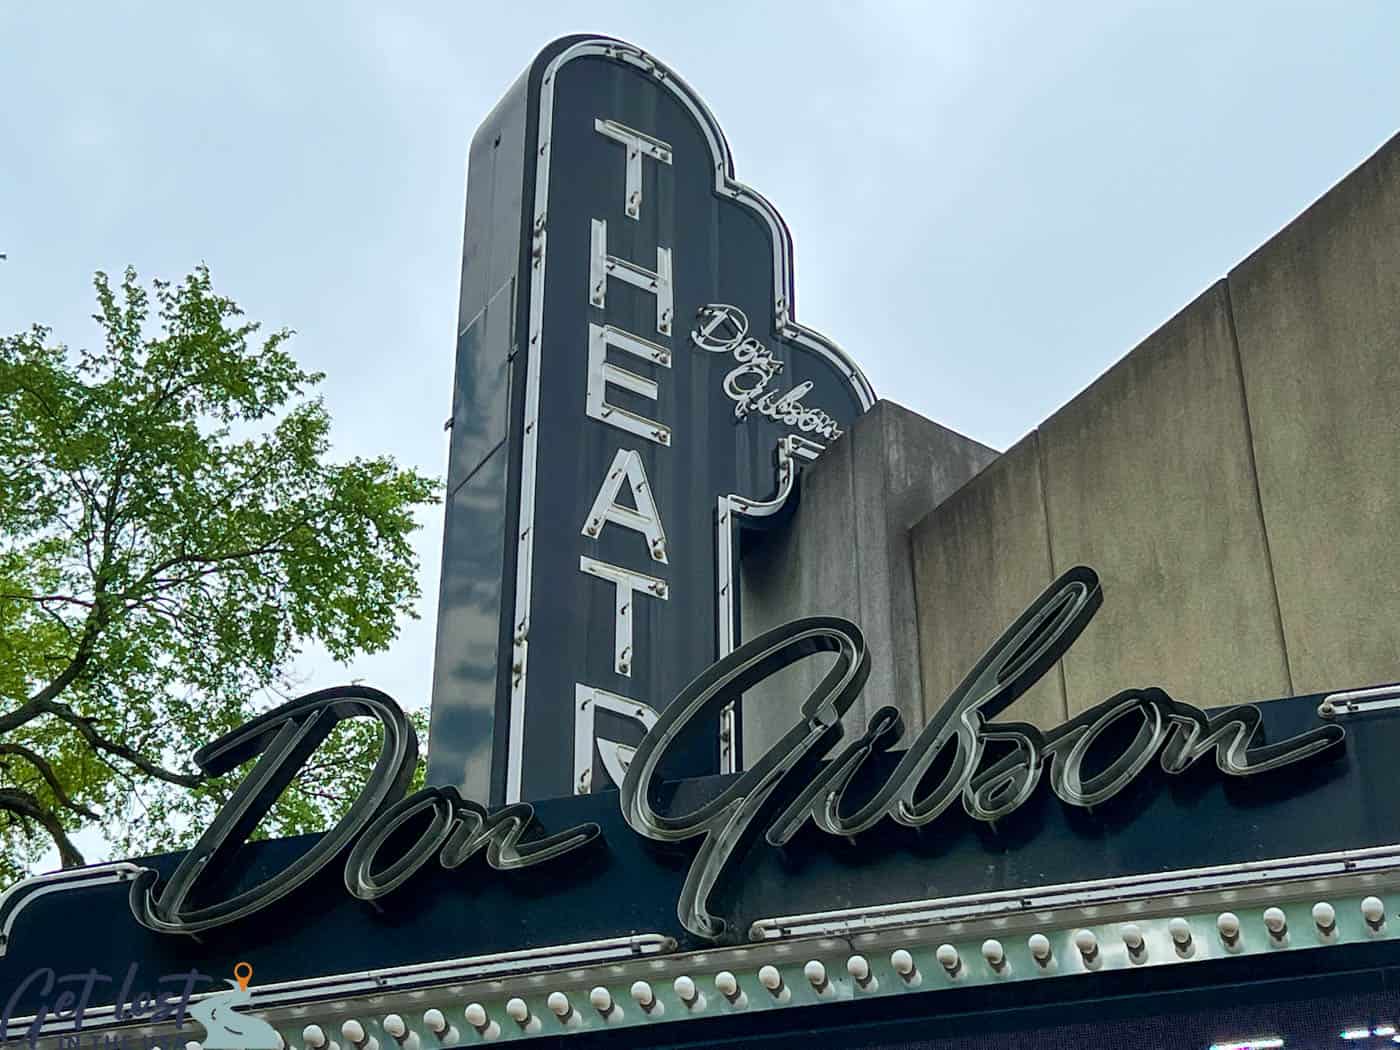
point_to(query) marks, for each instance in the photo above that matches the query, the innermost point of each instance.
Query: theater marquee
(645, 395)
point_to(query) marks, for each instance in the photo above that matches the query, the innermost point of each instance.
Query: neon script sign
(991, 768)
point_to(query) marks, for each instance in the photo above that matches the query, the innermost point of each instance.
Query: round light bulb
(1325, 916)
(601, 999)
(728, 986)
(353, 1030)
(1180, 931)
(518, 1010)
(194, 1045)
(558, 1004)
(685, 988)
(947, 955)
(902, 962)
(434, 1019)
(1373, 911)
(770, 978)
(642, 993)
(393, 1024)
(994, 953)
(1087, 943)
(815, 973)
(313, 1036)
(476, 1015)
(1275, 920)
(1039, 944)
(858, 966)
(1228, 923)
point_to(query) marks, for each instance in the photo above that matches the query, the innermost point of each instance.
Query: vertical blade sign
(659, 396)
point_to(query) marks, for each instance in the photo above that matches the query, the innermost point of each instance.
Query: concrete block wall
(846, 552)
(1235, 480)
(989, 556)
(1146, 477)
(1317, 311)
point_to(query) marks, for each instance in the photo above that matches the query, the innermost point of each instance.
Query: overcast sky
(991, 202)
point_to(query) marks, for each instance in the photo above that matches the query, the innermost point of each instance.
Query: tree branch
(27, 807)
(67, 627)
(86, 728)
(93, 625)
(50, 598)
(46, 771)
(153, 575)
(35, 705)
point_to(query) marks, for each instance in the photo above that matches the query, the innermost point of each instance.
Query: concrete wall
(1235, 481)
(1317, 310)
(846, 551)
(989, 556)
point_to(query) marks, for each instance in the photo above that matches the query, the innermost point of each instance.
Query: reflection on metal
(602, 266)
(721, 328)
(637, 144)
(602, 372)
(616, 756)
(1176, 734)
(638, 147)
(1359, 701)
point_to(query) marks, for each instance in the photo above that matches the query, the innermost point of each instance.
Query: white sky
(991, 202)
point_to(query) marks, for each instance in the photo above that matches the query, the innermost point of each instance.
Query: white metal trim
(22, 894)
(790, 449)
(1360, 701)
(587, 700)
(1119, 889)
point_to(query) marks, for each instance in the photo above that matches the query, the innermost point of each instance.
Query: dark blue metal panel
(474, 552)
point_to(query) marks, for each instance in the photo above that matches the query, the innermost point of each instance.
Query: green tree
(172, 533)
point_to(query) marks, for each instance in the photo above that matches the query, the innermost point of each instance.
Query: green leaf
(173, 532)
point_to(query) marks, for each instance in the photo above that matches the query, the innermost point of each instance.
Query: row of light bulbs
(600, 999)
(1086, 942)
(726, 986)
(1227, 925)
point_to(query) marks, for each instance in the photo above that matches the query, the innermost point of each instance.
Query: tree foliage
(172, 533)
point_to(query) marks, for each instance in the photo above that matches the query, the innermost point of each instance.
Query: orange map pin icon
(244, 973)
